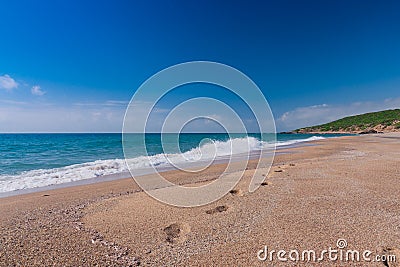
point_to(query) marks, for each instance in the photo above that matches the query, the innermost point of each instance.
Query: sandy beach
(341, 188)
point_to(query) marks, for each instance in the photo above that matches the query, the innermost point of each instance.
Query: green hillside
(387, 120)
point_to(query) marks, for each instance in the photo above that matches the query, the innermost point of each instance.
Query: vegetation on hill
(387, 120)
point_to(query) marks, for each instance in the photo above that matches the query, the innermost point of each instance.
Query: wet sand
(343, 188)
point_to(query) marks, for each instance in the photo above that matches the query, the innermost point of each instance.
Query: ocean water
(36, 160)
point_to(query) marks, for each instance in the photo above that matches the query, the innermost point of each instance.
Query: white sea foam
(207, 151)
(296, 141)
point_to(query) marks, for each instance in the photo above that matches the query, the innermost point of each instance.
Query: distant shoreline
(321, 133)
(371, 131)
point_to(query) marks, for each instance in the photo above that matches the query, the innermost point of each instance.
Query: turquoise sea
(34, 160)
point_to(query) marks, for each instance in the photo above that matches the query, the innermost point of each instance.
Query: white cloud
(116, 103)
(85, 104)
(319, 114)
(46, 118)
(36, 90)
(43, 117)
(109, 103)
(12, 102)
(7, 83)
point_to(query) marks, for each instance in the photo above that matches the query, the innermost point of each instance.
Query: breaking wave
(76, 172)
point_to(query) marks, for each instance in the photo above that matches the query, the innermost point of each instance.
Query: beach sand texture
(342, 188)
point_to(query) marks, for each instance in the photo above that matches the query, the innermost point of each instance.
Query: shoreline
(147, 171)
(359, 132)
(341, 188)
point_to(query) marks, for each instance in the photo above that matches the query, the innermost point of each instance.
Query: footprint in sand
(391, 252)
(236, 192)
(283, 167)
(176, 232)
(217, 209)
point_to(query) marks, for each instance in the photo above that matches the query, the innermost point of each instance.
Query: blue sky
(72, 66)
